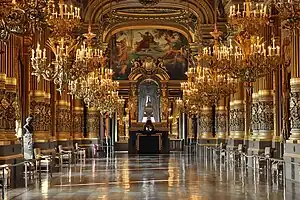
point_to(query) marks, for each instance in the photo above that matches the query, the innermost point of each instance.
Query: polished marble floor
(158, 177)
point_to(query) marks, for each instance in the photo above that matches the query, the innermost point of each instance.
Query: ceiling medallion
(149, 2)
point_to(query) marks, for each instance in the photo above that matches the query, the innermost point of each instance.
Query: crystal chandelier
(22, 17)
(289, 11)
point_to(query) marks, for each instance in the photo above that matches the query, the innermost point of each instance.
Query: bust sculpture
(28, 126)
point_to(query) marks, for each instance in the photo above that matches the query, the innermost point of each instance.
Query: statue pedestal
(28, 146)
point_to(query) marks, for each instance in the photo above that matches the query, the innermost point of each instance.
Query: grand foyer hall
(149, 99)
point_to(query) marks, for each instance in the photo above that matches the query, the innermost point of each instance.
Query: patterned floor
(157, 177)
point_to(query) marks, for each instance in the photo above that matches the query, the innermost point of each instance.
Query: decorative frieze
(206, 123)
(237, 119)
(221, 123)
(93, 124)
(63, 120)
(295, 110)
(266, 115)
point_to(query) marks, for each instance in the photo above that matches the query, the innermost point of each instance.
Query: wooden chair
(42, 162)
(79, 152)
(64, 155)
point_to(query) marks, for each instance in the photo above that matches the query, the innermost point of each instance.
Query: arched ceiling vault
(201, 10)
(147, 25)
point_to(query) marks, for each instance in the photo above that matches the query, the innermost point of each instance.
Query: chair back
(60, 148)
(76, 146)
(37, 152)
(240, 147)
(268, 151)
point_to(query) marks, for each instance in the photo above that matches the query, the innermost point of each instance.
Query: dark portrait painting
(157, 43)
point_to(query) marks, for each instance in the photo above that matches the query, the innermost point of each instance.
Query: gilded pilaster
(10, 101)
(63, 118)
(295, 88)
(255, 111)
(78, 119)
(266, 108)
(206, 123)
(93, 123)
(237, 115)
(164, 102)
(133, 102)
(221, 116)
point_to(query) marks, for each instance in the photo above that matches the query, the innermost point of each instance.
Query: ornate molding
(295, 110)
(237, 119)
(63, 119)
(266, 115)
(93, 123)
(206, 122)
(221, 122)
(255, 124)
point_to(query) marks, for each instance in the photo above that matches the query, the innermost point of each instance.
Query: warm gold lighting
(289, 11)
(250, 16)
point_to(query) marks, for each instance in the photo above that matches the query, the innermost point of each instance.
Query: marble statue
(27, 139)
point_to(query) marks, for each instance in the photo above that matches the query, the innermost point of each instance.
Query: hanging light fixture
(250, 57)
(63, 18)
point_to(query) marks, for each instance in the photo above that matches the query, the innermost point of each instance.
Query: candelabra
(63, 18)
(22, 17)
(289, 11)
(252, 59)
(216, 56)
(61, 70)
(250, 18)
(211, 75)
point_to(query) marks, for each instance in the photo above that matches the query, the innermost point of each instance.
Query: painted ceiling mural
(131, 45)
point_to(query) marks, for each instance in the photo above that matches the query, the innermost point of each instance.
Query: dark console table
(141, 143)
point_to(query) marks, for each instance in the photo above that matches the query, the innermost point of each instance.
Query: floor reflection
(174, 176)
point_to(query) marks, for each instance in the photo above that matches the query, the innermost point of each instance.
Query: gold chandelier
(250, 18)
(22, 17)
(211, 75)
(289, 11)
(250, 57)
(62, 69)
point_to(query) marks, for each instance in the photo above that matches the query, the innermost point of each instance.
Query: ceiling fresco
(131, 45)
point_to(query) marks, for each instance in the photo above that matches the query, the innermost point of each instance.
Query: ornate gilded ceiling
(112, 16)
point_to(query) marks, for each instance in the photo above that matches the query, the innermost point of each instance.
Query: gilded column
(295, 88)
(206, 123)
(164, 102)
(40, 105)
(255, 111)
(10, 101)
(265, 107)
(237, 115)
(78, 119)
(63, 117)
(133, 102)
(93, 123)
(221, 117)
(2, 91)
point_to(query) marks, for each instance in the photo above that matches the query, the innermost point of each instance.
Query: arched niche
(149, 92)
